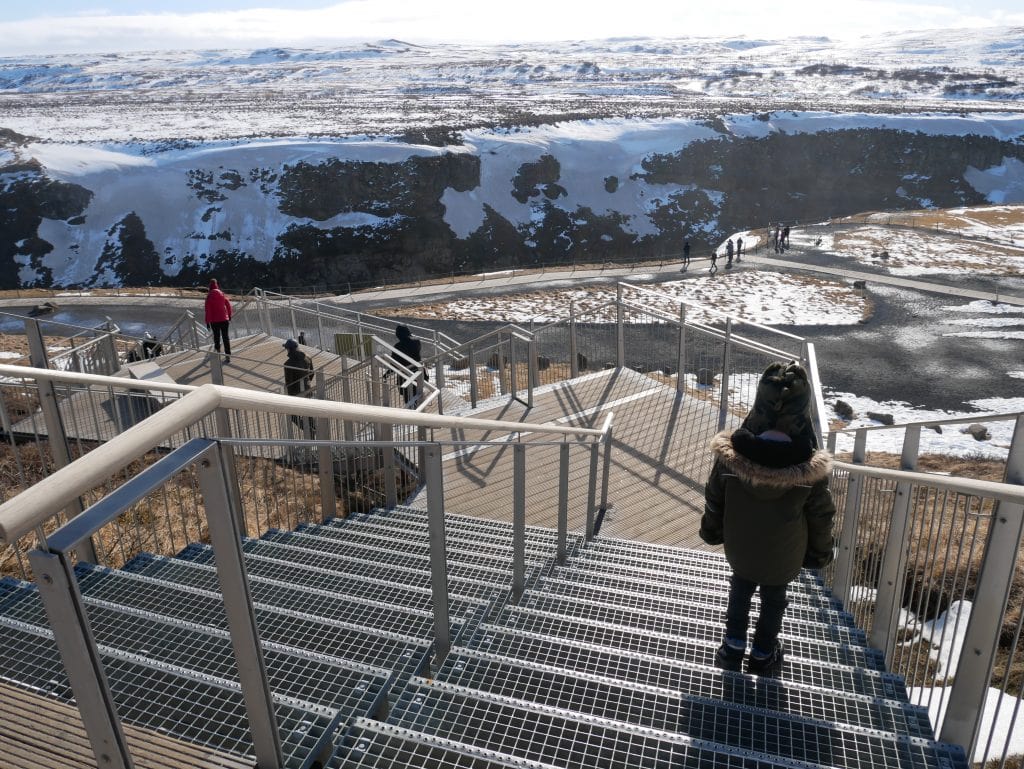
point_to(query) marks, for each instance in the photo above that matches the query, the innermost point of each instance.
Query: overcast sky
(60, 26)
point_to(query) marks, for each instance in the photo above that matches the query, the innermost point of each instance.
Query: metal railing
(216, 410)
(929, 565)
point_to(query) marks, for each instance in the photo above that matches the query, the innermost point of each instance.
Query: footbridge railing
(184, 466)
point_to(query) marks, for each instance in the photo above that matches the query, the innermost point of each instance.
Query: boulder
(844, 410)
(885, 419)
(581, 361)
(979, 432)
(705, 377)
(543, 363)
(495, 361)
(861, 284)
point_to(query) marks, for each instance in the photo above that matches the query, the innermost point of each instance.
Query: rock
(885, 419)
(844, 410)
(667, 371)
(495, 361)
(979, 432)
(861, 284)
(543, 363)
(459, 364)
(705, 377)
(581, 361)
(936, 428)
(608, 366)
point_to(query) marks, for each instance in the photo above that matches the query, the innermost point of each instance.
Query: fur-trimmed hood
(817, 467)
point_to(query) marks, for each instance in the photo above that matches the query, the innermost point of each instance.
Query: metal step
(412, 555)
(317, 682)
(723, 721)
(374, 745)
(693, 603)
(677, 646)
(308, 550)
(679, 587)
(861, 688)
(201, 712)
(556, 736)
(715, 577)
(303, 598)
(331, 572)
(699, 622)
(418, 541)
(380, 646)
(411, 517)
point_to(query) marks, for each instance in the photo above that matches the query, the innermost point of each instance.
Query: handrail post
(723, 398)
(238, 608)
(320, 329)
(474, 388)
(518, 520)
(981, 641)
(620, 329)
(532, 370)
(846, 550)
(892, 575)
(325, 459)
(605, 471)
(513, 365)
(291, 316)
(69, 622)
(563, 500)
(60, 452)
(681, 358)
(592, 491)
(227, 457)
(503, 386)
(574, 362)
(438, 553)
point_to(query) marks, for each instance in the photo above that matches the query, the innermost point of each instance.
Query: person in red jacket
(218, 318)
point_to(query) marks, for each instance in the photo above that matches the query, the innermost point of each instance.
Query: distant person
(728, 253)
(298, 379)
(777, 240)
(218, 318)
(686, 255)
(714, 262)
(411, 358)
(767, 500)
(739, 248)
(785, 237)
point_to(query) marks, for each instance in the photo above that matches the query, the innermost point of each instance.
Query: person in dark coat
(739, 248)
(298, 378)
(686, 255)
(728, 253)
(411, 358)
(218, 318)
(767, 500)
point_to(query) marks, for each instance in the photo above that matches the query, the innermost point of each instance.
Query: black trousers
(220, 334)
(769, 620)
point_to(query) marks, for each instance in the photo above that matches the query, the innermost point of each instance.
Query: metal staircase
(605, 660)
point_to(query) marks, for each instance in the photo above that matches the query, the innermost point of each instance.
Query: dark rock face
(397, 228)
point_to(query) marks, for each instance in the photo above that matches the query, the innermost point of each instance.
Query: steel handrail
(981, 417)
(32, 507)
(1002, 492)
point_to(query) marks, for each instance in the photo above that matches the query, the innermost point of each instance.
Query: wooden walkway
(37, 732)
(659, 459)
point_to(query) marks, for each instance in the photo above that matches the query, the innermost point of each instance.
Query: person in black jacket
(298, 377)
(767, 500)
(411, 358)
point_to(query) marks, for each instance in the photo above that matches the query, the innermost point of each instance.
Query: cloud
(472, 20)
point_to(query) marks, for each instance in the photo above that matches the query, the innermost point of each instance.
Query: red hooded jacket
(218, 308)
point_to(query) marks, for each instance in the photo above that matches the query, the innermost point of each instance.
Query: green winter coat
(772, 521)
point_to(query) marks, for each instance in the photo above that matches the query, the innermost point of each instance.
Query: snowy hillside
(388, 161)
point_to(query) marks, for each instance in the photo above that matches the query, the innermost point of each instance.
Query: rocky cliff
(299, 213)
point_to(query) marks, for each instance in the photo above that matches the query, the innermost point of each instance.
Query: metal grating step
(306, 599)
(417, 541)
(379, 647)
(414, 556)
(675, 646)
(288, 547)
(333, 573)
(153, 594)
(725, 722)
(458, 520)
(716, 578)
(700, 622)
(478, 527)
(373, 745)
(559, 737)
(199, 712)
(695, 603)
(880, 697)
(317, 682)
(680, 588)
